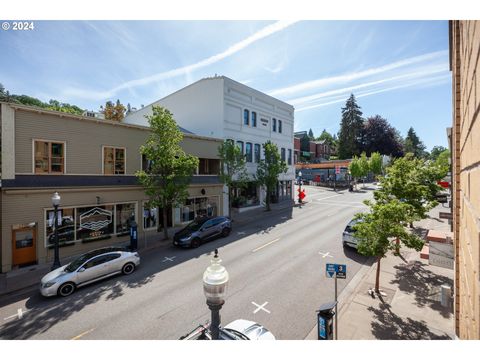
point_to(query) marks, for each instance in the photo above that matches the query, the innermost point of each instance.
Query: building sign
(440, 254)
(264, 121)
(95, 219)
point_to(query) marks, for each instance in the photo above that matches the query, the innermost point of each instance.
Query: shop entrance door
(24, 245)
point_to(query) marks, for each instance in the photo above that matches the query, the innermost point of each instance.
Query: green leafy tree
(376, 164)
(270, 168)
(364, 166)
(170, 172)
(355, 170)
(412, 181)
(442, 163)
(436, 151)
(383, 229)
(233, 171)
(327, 137)
(414, 145)
(351, 129)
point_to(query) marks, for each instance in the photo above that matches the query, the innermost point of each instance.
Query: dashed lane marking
(82, 334)
(18, 315)
(260, 307)
(261, 247)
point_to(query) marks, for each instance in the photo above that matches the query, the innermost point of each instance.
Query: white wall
(197, 107)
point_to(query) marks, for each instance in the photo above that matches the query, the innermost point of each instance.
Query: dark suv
(202, 230)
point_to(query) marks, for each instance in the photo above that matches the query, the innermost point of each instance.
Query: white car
(250, 330)
(348, 236)
(90, 267)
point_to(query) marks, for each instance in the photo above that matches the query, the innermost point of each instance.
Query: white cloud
(101, 95)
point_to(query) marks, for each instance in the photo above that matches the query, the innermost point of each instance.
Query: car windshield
(75, 264)
(196, 225)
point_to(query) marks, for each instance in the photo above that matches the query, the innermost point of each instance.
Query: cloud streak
(181, 71)
(345, 78)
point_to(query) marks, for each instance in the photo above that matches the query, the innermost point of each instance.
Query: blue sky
(397, 69)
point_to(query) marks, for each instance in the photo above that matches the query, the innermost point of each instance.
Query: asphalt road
(277, 278)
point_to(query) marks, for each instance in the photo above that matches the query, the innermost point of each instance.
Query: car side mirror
(82, 269)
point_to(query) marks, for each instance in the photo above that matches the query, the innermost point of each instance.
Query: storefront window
(94, 223)
(188, 211)
(125, 214)
(246, 196)
(66, 226)
(198, 207)
(150, 217)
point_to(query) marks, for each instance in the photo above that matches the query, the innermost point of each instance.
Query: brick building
(465, 145)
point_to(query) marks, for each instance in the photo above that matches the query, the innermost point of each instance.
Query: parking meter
(325, 321)
(133, 236)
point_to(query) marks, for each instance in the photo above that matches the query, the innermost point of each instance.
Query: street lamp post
(299, 187)
(215, 280)
(56, 201)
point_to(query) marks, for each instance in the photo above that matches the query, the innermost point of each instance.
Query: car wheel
(128, 268)
(226, 231)
(195, 243)
(66, 289)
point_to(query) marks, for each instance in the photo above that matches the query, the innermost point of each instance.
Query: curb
(349, 292)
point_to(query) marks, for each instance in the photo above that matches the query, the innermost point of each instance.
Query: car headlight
(186, 238)
(49, 284)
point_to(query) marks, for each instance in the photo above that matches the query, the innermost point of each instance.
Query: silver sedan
(90, 267)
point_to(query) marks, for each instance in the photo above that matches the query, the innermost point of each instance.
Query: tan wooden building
(91, 163)
(465, 147)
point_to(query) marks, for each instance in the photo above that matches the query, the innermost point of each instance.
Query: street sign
(339, 269)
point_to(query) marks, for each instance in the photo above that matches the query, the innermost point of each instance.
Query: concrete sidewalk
(409, 307)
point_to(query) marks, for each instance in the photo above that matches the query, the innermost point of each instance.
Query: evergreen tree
(414, 145)
(351, 128)
(310, 135)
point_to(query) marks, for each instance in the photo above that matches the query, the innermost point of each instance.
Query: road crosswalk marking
(169, 258)
(324, 255)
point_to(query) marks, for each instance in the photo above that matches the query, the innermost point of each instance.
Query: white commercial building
(223, 108)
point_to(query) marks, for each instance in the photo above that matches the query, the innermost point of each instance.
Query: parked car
(236, 330)
(87, 268)
(348, 236)
(202, 230)
(249, 329)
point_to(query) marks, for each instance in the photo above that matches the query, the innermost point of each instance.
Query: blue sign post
(337, 271)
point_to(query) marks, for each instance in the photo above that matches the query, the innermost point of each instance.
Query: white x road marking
(240, 232)
(260, 307)
(324, 255)
(169, 258)
(19, 314)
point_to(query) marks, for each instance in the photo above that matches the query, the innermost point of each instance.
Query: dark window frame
(274, 125)
(246, 117)
(254, 119)
(249, 154)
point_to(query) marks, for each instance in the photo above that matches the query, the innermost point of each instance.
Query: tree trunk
(377, 277)
(165, 227)
(267, 200)
(397, 250)
(230, 202)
